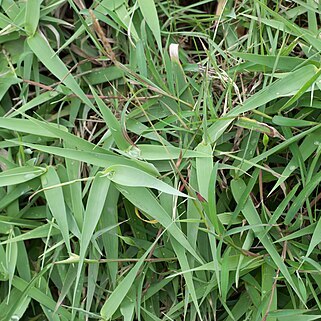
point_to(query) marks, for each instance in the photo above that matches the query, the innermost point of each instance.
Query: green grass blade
(20, 175)
(148, 9)
(56, 203)
(287, 86)
(32, 16)
(130, 176)
(39, 45)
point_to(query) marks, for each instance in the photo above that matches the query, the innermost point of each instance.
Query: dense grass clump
(160, 160)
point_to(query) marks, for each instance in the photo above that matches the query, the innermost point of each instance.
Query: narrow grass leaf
(43, 231)
(253, 218)
(56, 202)
(247, 165)
(112, 123)
(302, 197)
(181, 255)
(40, 46)
(287, 86)
(117, 296)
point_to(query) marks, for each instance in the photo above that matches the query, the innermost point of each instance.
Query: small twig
(38, 84)
(85, 179)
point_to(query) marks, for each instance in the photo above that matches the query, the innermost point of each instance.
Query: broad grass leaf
(20, 175)
(131, 176)
(268, 275)
(94, 158)
(225, 274)
(283, 63)
(11, 259)
(158, 152)
(26, 126)
(111, 240)
(12, 221)
(102, 75)
(240, 308)
(95, 205)
(308, 230)
(183, 88)
(21, 296)
(32, 16)
(204, 166)
(148, 9)
(37, 101)
(292, 122)
(6, 83)
(316, 238)
(117, 9)
(73, 168)
(288, 314)
(68, 281)
(127, 307)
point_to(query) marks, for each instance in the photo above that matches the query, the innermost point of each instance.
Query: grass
(160, 160)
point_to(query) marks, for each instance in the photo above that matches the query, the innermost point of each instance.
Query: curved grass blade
(131, 176)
